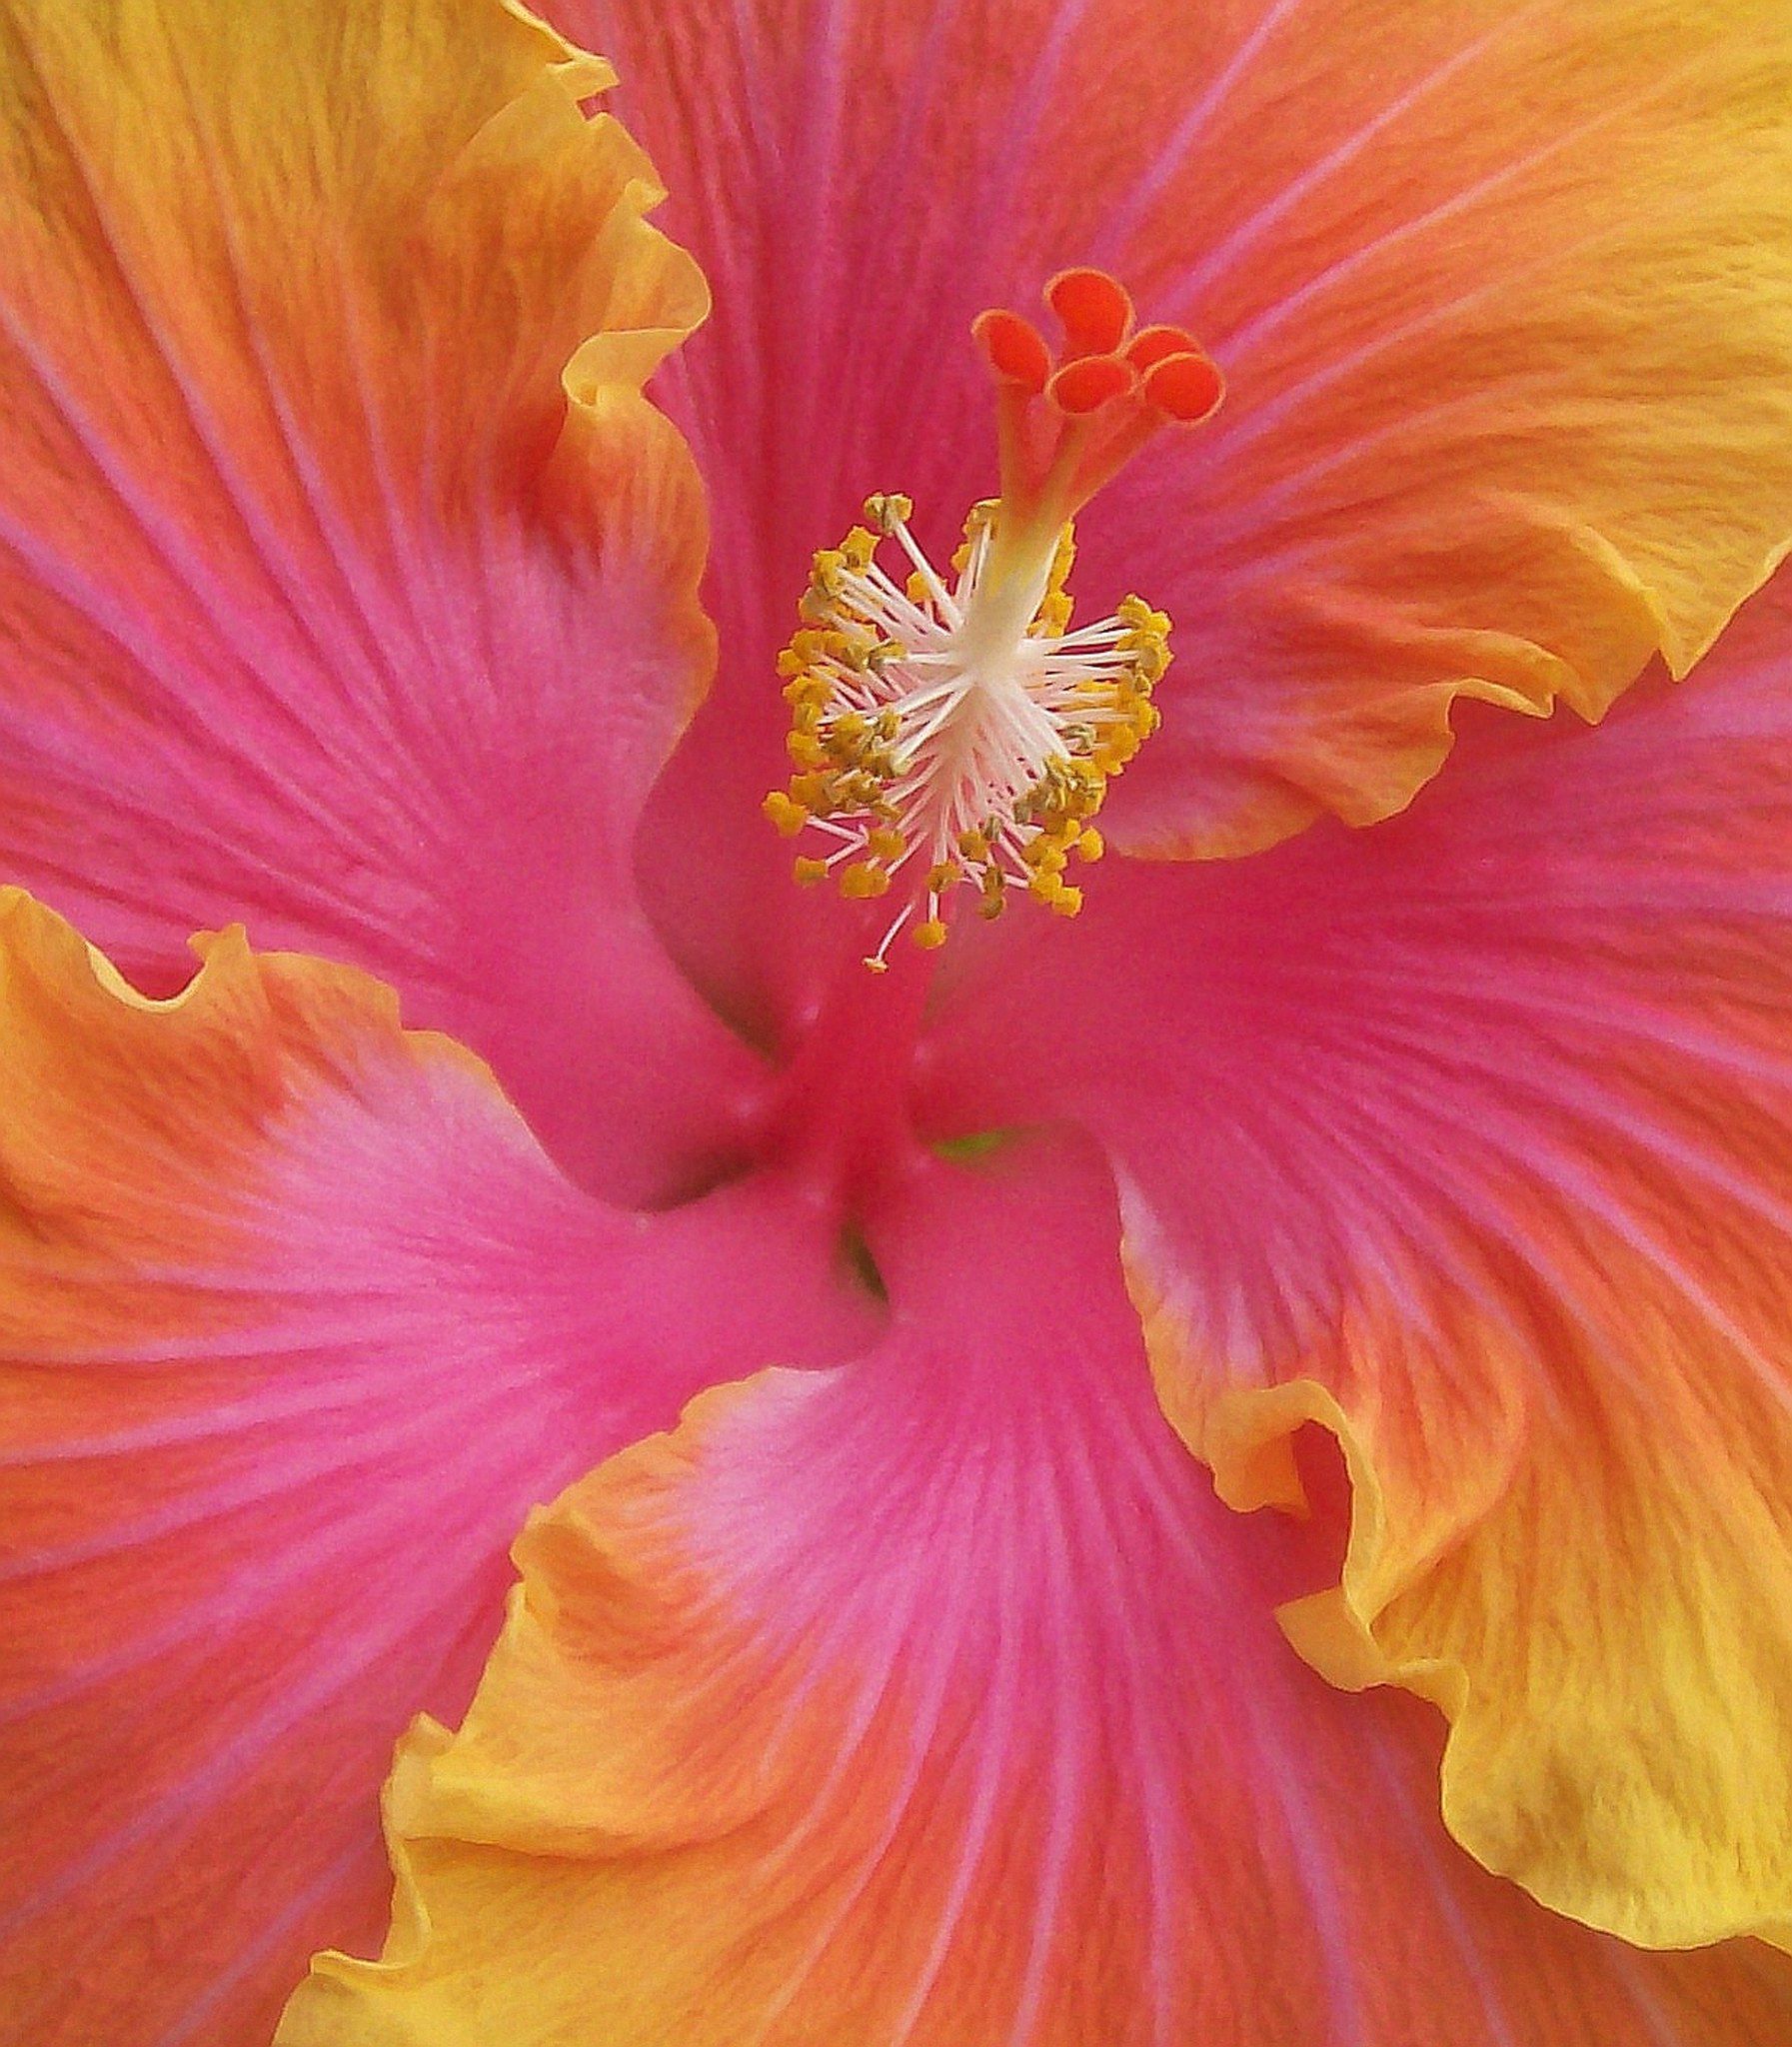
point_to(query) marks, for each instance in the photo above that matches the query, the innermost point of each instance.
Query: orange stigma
(1069, 424)
(955, 732)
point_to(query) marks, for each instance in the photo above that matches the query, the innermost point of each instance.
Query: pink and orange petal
(1500, 295)
(296, 1322)
(348, 580)
(936, 1701)
(1471, 1139)
(1508, 328)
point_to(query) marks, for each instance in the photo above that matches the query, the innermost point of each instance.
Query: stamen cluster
(921, 740)
(966, 734)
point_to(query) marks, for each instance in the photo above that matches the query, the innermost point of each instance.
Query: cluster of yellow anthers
(919, 736)
(966, 734)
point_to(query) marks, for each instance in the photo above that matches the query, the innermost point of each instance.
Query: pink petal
(1498, 293)
(322, 603)
(296, 1322)
(936, 1701)
(1472, 1135)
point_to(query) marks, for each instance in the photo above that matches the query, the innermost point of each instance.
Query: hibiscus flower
(1216, 1469)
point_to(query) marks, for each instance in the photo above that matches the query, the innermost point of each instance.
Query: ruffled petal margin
(296, 1323)
(936, 1700)
(347, 580)
(1469, 1138)
(1503, 294)
(1504, 300)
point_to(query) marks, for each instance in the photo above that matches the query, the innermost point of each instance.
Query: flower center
(952, 730)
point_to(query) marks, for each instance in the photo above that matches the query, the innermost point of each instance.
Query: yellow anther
(885, 842)
(1067, 902)
(973, 846)
(931, 936)
(1134, 611)
(803, 651)
(944, 875)
(788, 818)
(1047, 888)
(862, 879)
(1091, 845)
(1064, 559)
(805, 748)
(1053, 616)
(858, 547)
(978, 521)
(887, 509)
(810, 872)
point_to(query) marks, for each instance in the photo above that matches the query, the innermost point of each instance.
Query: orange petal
(1470, 1138)
(1505, 318)
(936, 1701)
(1501, 293)
(347, 581)
(296, 1322)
